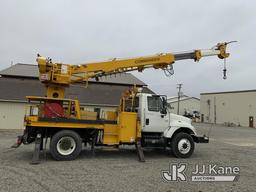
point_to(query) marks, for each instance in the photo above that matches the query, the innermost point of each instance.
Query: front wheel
(182, 145)
(65, 145)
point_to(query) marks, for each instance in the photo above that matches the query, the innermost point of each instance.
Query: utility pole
(179, 95)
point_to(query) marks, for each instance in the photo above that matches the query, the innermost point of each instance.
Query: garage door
(11, 115)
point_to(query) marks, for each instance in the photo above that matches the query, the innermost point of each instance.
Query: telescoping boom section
(57, 76)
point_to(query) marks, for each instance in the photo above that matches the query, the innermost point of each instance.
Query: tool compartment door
(127, 127)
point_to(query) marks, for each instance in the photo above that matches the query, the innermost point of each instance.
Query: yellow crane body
(125, 128)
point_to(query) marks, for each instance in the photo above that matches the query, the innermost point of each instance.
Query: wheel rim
(184, 146)
(66, 145)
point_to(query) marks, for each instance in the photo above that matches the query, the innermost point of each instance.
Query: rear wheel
(182, 145)
(65, 145)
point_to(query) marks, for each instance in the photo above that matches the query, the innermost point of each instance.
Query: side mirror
(164, 109)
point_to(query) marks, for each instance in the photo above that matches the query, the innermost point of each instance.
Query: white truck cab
(160, 128)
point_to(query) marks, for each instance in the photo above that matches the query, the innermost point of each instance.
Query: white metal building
(186, 104)
(21, 80)
(231, 108)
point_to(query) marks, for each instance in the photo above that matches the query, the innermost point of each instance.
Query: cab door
(156, 118)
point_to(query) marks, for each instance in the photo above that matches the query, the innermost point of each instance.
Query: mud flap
(38, 143)
(140, 151)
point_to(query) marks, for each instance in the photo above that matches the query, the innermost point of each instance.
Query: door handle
(147, 121)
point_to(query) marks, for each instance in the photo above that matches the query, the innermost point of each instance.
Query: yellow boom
(57, 76)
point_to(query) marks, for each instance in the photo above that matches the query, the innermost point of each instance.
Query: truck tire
(65, 145)
(182, 145)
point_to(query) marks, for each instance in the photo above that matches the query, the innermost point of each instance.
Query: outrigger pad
(19, 141)
(140, 151)
(38, 141)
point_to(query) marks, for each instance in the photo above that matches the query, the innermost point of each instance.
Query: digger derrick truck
(142, 120)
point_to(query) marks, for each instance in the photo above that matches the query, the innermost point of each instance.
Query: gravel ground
(119, 170)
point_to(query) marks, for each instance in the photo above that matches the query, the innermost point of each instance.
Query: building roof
(16, 89)
(175, 99)
(31, 71)
(227, 92)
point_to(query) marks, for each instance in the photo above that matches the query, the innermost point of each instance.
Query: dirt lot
(113, 170)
